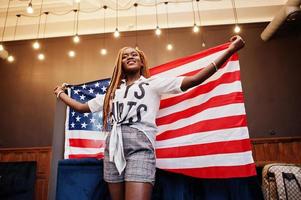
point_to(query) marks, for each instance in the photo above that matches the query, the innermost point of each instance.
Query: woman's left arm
(190, 81)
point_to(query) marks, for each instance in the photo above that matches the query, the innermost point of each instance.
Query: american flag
(202, 132)
(83, 132)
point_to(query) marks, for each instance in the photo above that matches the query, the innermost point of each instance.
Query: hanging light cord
(77, 16)
(157, 14)
(234, 11)
(6, 14)
(193, 12)
(45, 23)
(41, 7)
(136, 24)
(17, 21)
(104, 25)
(166, 8)
(199, 15)
(116, 13)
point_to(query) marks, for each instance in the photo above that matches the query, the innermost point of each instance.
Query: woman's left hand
(237, 43)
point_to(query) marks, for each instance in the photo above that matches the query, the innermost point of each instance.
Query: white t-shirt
(137, 104)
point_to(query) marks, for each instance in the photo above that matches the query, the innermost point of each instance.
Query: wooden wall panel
(42, 155)
(271, 150)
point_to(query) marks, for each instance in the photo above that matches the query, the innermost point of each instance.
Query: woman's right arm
(80, 107)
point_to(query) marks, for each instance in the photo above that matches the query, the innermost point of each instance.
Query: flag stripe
(97, 155)
(77, 142)
(223, 135)
(202, 89)
(222, 171)
(222, 89)
(216, 101)
(230, 159)
(188, 60)
(232, 58)
(204, 149)
(211, 113)
(205, 125)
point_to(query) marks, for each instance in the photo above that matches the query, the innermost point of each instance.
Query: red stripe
(219, 172)
(87, 143)
(221, 100)
(98, 155)
(205, 125)
(232, 58)
(201, 89)
(188, 59)
(205, 149)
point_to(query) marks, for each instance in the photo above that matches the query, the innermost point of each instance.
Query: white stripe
(92, 135)
(223, 135)
(210, 113)
(232, 66)
(221, 89)
(231, 159)
(191, 66)
(78, 150)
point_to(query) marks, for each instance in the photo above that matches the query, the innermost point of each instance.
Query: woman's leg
(116, 191)
(138, 191)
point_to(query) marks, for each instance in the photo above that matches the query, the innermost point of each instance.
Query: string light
(104, 51)
(116, 32)
(36, 45)
(29, 8)
(169, 45)
(157, 31)
(203, 32)
(236, 28)
(10, 58)
(195, 27)
(71, 53)
(3, 31)
(45, 23)
(76, 38)
(41, 56)
(136, 25)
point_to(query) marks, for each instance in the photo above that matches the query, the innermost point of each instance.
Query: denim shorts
(140, 158)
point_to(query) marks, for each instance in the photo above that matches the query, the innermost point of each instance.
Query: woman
(131, 103)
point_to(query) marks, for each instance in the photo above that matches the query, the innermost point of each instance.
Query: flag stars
(92, 120)
(104, 88)
(91, 91)
(72, 125)
(82, 97)
(86, 114)
(84, 86)
(78, 118)
(97, 84)
(72, 113)
(76, 91)
(98, 126)
(84, 125)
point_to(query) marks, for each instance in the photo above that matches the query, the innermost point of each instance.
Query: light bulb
(237, 29)
(36, 45)
(29, 8)
(195, 28)
(1, 47)
(116, 33)
(203, 44)
(41, 56)
(169, 47)
(10, 59)
(103, 52)
(71, 54)
(158, 31)
(76, 39)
